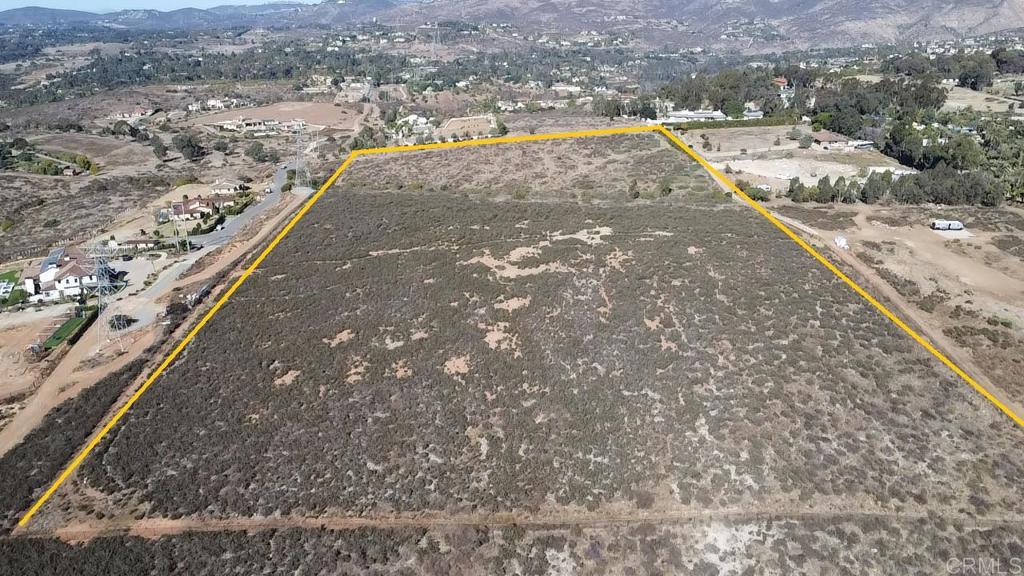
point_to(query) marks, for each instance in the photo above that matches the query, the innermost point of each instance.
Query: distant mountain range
(803, 22)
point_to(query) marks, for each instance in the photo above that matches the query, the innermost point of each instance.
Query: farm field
(317, 113)
(548, 356)
(961, 98)
(110, 153)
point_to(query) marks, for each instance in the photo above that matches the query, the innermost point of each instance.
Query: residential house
(139, 244)
(696, 116)
(353, 92)
(196, 208)
(226, 187)
(828, 140)
(566, 90)
(66, 272)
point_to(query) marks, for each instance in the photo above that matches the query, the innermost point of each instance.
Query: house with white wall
(66, 272)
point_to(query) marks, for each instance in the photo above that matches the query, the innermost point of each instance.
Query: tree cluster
(940, 185)
(974, 71)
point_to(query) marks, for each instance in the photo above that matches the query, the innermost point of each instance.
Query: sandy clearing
(340, 338)
(808, 170)
(18, 370)
(962, 98)
(512, 304)
(68, 379)
(316, 113)
(457, 365)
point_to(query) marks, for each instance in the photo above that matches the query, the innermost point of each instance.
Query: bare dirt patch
(317, 113)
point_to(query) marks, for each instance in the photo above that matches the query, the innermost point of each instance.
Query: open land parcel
(665, 372)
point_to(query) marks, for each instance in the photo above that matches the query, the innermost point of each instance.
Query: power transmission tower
(299, 162)
(179, 233)
(112, 324)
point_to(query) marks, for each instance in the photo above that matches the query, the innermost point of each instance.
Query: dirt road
(156, 528)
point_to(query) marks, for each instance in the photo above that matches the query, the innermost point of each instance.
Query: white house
(64, 273)
(139, 244)
(696, 116)
(196, 208)
(226, 187)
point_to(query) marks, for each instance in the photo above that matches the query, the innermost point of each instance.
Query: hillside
(35, 16)
(753, 23)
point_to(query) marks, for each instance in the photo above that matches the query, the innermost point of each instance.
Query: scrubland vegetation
(405, 356)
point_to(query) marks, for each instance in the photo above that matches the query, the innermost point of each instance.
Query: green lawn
(18, 294)
(64, 332)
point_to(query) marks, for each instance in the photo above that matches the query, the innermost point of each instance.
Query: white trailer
(947, 225)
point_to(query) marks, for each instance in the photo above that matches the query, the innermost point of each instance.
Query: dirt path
(156, 528)
(924, 325)
(930, 249)
(67, 380)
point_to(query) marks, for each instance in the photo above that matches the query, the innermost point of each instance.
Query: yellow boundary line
(84, 453)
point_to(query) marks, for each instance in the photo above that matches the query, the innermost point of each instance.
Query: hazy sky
(110, 5)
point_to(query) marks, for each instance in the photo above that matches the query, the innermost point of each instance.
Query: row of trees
(940, 185)
(613, 108)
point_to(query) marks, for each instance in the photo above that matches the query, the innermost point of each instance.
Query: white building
(696, 116)
(226, 187)
(64, 273)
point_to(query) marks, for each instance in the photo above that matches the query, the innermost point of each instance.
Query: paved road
(233, 225)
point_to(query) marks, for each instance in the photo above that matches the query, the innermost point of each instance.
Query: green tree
(977, 72)
(797, 191)
(188, 145)
(874, 188)
(964, 153)
(826, 191)
(257, 152)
